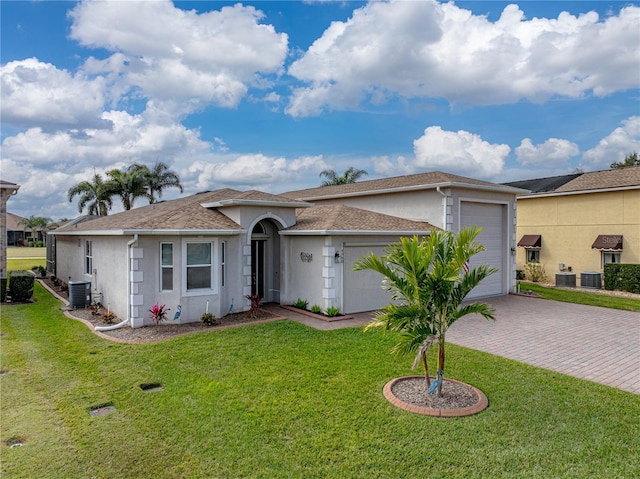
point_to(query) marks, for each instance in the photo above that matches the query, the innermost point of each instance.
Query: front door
(257, 267)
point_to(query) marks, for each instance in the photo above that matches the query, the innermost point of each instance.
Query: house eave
(578, 192)
(352, 233)
(430, 186)
(150, 232)
(262, 203)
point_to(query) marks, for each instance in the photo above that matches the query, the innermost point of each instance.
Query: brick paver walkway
(587, 342)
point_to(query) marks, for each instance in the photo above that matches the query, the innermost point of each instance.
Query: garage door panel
(490, 218)
(362, 289)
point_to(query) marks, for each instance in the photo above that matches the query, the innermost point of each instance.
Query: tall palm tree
(429, 279)
(351, 175)
(157, 179)
(93, 194)
(128, 184)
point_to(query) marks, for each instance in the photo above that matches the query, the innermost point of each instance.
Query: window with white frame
(533, 255)
(610, 257)
(166, 266)
(88, 257)
(199, 257)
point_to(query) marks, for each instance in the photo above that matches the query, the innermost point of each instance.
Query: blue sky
(265, 95)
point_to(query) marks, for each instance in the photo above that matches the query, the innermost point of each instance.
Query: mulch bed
(152, 333)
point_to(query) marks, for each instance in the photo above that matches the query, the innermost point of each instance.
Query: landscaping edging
(321, 317)
(480, 406)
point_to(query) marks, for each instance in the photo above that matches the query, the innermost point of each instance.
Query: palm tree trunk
(426, 368)
(441, 363)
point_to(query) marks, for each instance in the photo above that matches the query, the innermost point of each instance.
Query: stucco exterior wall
(569, 225)
(303, 274)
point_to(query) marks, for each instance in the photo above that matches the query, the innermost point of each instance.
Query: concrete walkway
(587, 342)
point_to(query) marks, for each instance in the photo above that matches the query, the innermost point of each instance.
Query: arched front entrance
(265, 261)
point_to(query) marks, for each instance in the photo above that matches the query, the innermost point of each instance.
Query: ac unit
(591, 279)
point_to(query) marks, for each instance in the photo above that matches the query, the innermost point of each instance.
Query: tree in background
(93, 194)
(428, 281)
(351, 175)
(129, 184)
(35, 224)
(158, 179)
(629, 160)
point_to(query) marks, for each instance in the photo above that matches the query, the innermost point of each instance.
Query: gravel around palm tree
(428, 281)
(351, 175)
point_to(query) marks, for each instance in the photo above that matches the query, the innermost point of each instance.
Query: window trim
(527, 250)
(167, 266)
(603, 253)
(223, 263)
(214, 261)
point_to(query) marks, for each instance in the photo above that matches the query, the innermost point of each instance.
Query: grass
(281, 400)
(579, 297)
(26, 252)
(24, 258)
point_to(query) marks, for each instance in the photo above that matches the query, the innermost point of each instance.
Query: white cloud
(181, 59)
(550, 153)
(458, 152)
(614, 147)
(427, 49)
(256, 170)
(37, 93)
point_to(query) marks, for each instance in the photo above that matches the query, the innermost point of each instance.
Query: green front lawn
(579, 297)
(26, 252)
(281, 400)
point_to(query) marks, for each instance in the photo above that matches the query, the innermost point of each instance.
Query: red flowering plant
(158, 313)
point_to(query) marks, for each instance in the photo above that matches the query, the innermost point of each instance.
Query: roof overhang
(152, 232)
(530, 241)
(352, 233)
(608, 243)
(430, 186)
(262, 203)
(578, 192)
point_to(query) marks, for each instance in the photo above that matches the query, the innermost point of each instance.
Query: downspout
(130, 243)
(444, 208)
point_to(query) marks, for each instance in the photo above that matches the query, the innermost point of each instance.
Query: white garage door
(362, 290)
(490, 218)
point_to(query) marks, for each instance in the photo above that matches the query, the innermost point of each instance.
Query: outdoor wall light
(338, 257)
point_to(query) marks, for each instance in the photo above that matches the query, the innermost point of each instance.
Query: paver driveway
(588, 342)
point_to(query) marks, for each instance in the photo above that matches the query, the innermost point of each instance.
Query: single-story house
(16, 233)
(210, 250)
(575, 224)
(7, 190)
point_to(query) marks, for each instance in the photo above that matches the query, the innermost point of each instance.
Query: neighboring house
(447, 201)
(210, 250)
(578, 223)
(7, 190)
(16, 233)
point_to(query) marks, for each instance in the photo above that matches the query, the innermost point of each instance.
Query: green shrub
(3, 289)
(316, 309)
(535, 272)
(301, 303)
(332, 311)
(20, 286)
(622, 277)
(520, 274)
(209, 319)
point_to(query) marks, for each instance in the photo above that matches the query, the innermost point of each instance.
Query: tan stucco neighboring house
(577, 223)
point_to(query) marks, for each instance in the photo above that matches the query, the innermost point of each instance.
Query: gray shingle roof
(348, 218)
(396, 182)
(618, 178)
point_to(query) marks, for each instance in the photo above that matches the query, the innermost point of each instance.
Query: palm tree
(35, 224)
(128, 184)
(93, 194)
(351, 175)
(157, 179)
(430, 279)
